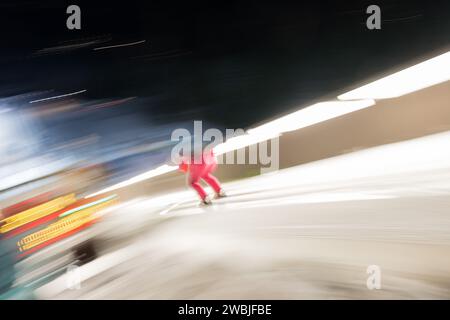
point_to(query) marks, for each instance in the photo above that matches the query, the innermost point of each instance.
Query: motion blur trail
(306, 232)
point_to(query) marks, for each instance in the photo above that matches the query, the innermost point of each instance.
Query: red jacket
(208, 162)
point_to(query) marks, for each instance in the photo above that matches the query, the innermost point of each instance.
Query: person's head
(190, 149)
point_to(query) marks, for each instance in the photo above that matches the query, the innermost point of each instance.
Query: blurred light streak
(57, 238)
(31, 169)
(243, 141)
(64, 48)
(88, 205)
(35, 223)
(62, 228)
(35, 213)
(26, 204)
(120, 45)
(311, 115)
(57, 97)
(144, 176)
(70, 209)
(419, 76)
(108, 104)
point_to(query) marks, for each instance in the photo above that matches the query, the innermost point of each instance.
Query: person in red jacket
(202, 170)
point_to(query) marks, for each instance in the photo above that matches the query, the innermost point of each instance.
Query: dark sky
(231, 62)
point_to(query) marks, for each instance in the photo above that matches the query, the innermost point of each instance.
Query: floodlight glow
(144, 176)
(419, 76)
(242, 141)
(314, 114)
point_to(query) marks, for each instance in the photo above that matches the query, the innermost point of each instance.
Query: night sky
(233, 62)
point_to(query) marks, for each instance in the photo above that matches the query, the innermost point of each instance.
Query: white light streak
(417, 77)
(120, 45)
(57, 97)
(308, 116)
(144, 176)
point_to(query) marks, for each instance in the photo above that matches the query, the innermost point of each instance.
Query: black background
(232, 62)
